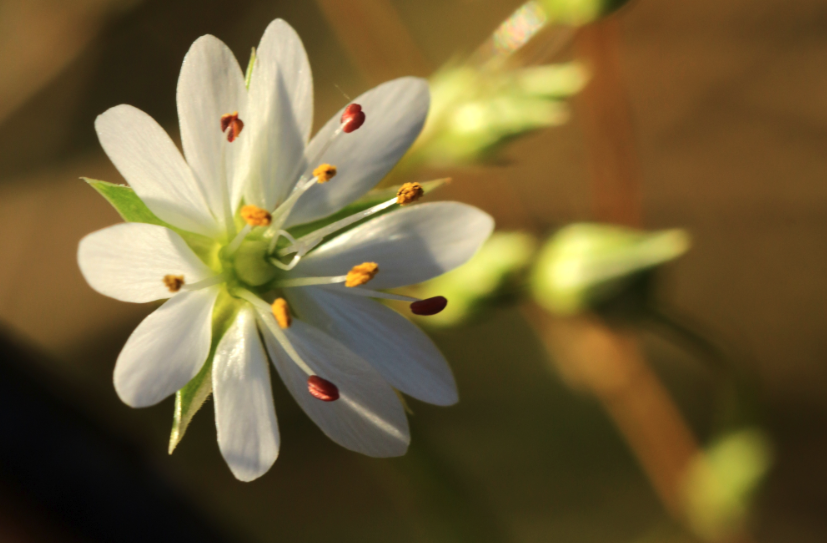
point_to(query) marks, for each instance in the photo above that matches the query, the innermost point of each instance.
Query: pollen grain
(361, 274)
(174, 282)
(255, 216)
(409, 193)
(282, 313)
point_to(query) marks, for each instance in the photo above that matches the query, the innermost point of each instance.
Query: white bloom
(341, 344)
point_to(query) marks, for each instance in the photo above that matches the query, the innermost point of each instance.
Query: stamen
(429, 306)
(235, 125)
(367, 293)
(324, 173)
(255, 216)
(281, 312)
(409, 193)
(322, 389)
(174, 282)
(361, 274)
(267, 318)
(238, 239)
(282, 211)
(352, 118)
(306, 243)
(204, 283)
(275, 261)
(309, 281)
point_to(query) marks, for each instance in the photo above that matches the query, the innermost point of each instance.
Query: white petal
(167, 349)
(367, 418)
(397, 348)
(281, 115)
(410, 245)
(210, 85)
(149, 161)
(395, 112)
(128, 261)
(245, 416)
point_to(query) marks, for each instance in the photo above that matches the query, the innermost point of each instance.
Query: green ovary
(250, 264)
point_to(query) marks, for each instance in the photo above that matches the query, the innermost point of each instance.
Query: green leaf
(368, 200)
(133, 209)
(189, 399)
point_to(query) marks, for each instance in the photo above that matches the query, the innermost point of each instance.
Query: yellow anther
(282, 313)
(255, 216)
(409, 193)
(324, 173)
(174, 282)
(361, 274)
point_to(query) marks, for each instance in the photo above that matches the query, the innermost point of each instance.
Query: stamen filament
(204, 283)
(275, 261)
(236, 243)
(312, 239)
(368, 293)
(318, 157)
(309, 281)
(281, 212)
(229, 223)
(267, 318)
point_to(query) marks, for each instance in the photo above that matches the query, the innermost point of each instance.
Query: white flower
(248, 159)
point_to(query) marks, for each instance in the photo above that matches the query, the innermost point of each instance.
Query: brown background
(729, 104)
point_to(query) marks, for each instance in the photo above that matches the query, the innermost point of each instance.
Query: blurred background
(706, 116)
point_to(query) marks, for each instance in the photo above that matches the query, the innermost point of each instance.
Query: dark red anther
(429, 306)
(322, 389)
(352, 118)
(235, 125)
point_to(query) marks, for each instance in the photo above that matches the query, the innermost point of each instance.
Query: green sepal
(370, 199)
(586, 265)
(132, 209)
(249, 75)
(191, 398)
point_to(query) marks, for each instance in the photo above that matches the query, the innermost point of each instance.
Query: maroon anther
(322, 389)
(430, 306)
(235, 125)
(352, 118)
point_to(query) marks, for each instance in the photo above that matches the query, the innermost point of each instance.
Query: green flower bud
(483, 280)
(585, 265)
(579, 12)
(721, 482)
